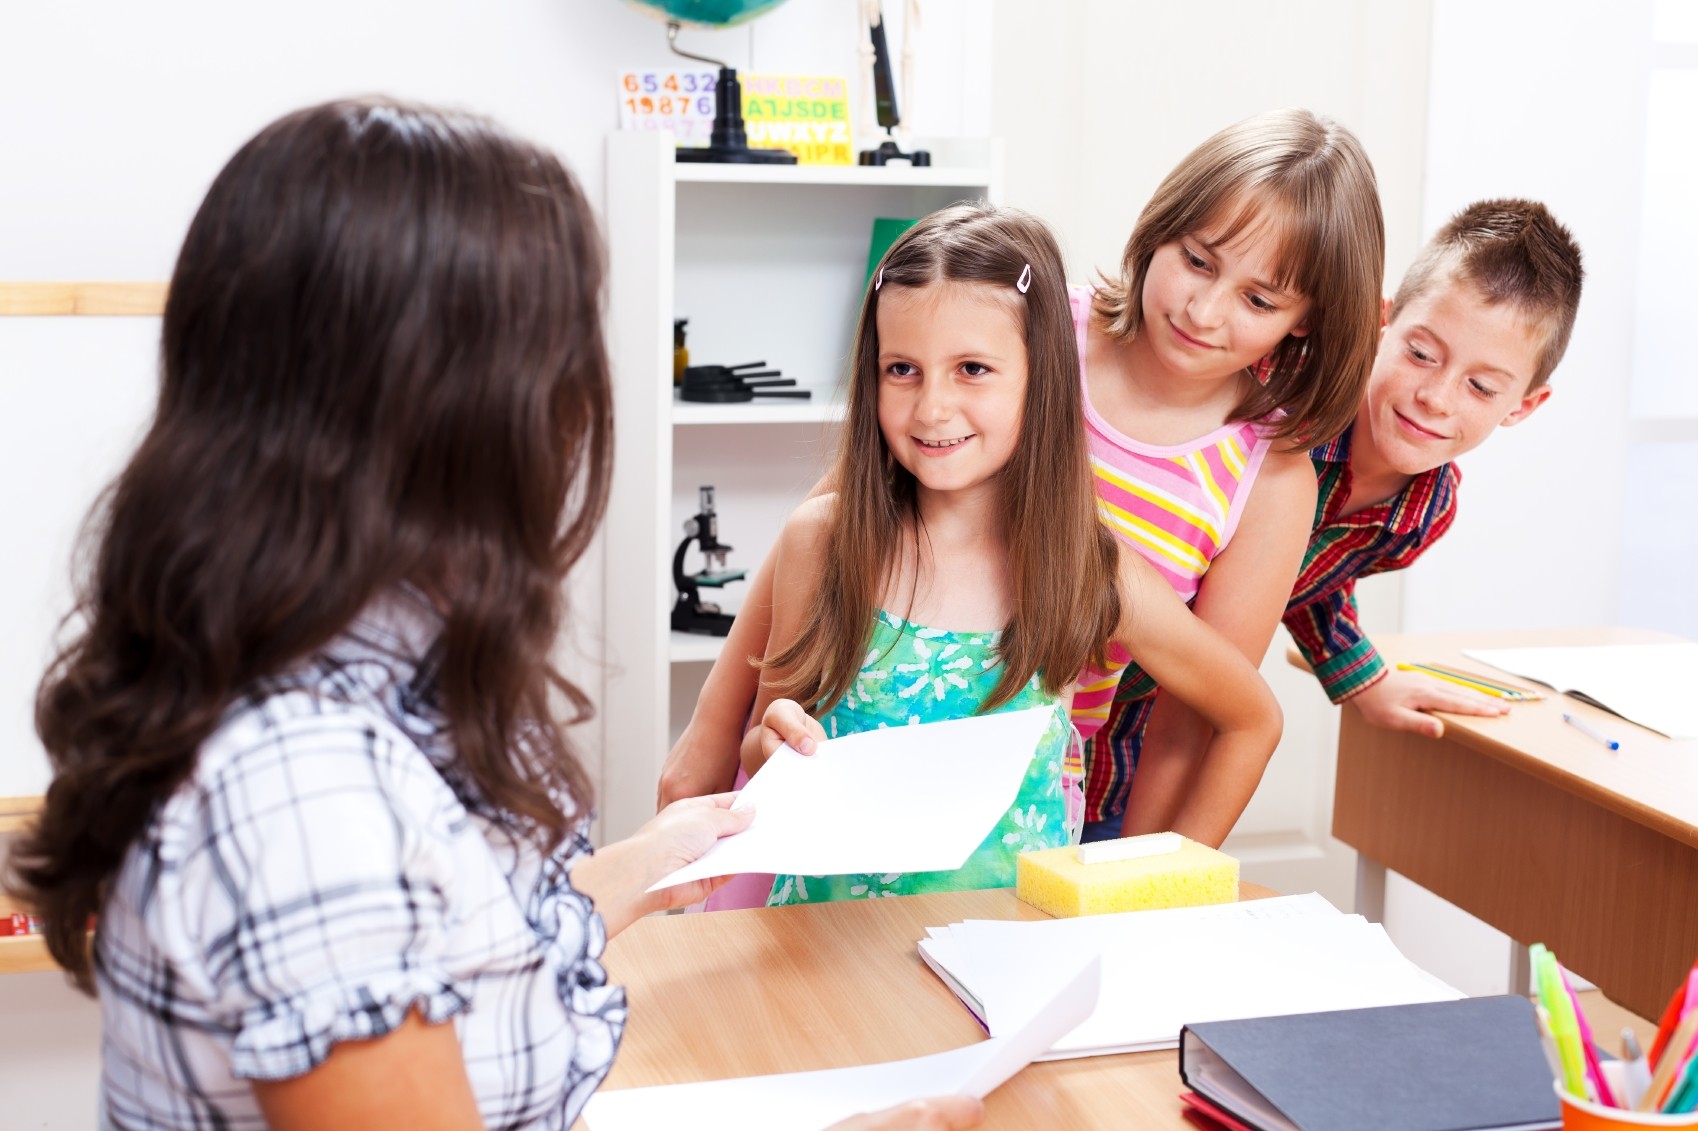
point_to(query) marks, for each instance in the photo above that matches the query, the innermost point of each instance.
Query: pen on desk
(1591, 732)
(1637, 1075)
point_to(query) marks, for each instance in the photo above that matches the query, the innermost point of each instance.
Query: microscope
(691, 613)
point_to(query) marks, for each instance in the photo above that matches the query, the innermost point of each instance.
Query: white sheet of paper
(941, 949)
(940, 952)
(804, 1101)
(1649, 684)
(1165, 969)
(903, 799)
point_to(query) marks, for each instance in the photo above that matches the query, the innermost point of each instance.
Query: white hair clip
(879, 282)
(1025, 280)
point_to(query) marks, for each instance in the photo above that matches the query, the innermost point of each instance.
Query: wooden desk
(746, 993)
(1531, 826)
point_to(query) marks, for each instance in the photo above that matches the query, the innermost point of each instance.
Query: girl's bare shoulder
(1286, 479)
(809, 524)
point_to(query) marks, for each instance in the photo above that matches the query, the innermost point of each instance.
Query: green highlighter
(1565, 1027)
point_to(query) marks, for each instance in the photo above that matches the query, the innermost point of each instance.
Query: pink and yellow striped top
(1177, 505)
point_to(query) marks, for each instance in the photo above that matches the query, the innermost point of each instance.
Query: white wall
(1549, 106)
(114, 117)
(119, 116)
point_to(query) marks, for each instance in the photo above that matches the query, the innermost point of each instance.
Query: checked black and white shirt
(321, 873)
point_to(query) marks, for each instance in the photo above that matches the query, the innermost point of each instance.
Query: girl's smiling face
(952, 381)
(1213, 306)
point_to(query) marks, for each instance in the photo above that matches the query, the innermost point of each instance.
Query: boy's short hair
(1510, 251)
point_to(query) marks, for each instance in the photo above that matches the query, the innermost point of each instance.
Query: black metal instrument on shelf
(691, 613)
(733, 384)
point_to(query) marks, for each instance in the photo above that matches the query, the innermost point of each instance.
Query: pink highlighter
(1593, 1068)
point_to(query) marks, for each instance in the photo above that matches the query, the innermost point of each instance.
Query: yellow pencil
(1483, 681)
(1474, 683)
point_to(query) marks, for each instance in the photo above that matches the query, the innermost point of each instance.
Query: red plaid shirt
(1321, 613)
(1378, 539)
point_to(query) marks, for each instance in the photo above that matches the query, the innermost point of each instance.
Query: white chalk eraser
(1130, 848)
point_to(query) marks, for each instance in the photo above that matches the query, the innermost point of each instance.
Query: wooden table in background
(789, 989)
(1531, 826)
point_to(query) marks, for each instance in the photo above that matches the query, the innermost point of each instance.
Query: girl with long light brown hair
(1237, 332)
(959, 566)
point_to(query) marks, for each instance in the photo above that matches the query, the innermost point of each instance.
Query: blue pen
(1587, 730)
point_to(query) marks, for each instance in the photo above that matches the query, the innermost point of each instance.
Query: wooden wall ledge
(47, 298)
(17, 812)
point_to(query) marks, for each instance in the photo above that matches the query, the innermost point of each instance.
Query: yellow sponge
(1056, 881)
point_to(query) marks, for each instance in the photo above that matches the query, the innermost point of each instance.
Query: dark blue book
(1469, 1065)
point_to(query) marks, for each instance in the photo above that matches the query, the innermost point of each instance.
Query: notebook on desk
(1648, 684)
(1468, 1065)
(1161, 969)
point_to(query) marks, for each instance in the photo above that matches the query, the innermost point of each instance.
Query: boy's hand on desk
(1400, 700)
(942, 1113)
(783, 722)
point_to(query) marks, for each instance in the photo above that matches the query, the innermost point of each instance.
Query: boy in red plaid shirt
(1480, 321)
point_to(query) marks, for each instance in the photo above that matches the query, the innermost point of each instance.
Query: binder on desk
(1468, 1065)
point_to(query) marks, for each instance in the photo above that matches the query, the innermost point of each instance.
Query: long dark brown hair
(381, 363)
(1310, 180)
(1061, 558)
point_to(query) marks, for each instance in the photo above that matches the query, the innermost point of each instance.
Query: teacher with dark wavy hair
(312, 777)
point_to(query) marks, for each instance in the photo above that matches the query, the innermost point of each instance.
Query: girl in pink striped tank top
(1238, 332)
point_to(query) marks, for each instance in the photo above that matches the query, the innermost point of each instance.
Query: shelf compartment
(694, 648)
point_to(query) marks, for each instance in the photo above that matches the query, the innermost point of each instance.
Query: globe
(706, 13)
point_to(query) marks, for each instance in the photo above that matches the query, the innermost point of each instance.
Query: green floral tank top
(914, 674)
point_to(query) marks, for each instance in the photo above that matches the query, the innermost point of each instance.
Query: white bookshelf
(769, 264)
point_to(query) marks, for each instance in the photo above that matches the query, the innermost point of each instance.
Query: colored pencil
(1472, 681)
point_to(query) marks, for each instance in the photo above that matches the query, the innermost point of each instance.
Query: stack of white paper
(802, 1101)
(869, 802)
(1163, 970)
(1649, 684)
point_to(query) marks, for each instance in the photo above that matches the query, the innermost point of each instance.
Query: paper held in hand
(917, 798)
(803, 1101)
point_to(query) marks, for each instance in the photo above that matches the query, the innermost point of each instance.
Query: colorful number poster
(806, 114)
(679, 101)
